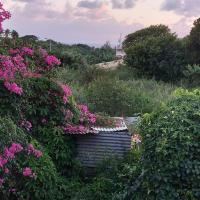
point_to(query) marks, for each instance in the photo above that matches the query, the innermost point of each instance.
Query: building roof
(120, 127)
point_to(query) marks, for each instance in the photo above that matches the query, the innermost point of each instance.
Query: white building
(120, 54)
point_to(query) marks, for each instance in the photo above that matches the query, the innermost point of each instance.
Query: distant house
(103, 143)
(120, 54)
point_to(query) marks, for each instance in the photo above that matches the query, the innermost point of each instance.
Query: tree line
(157, 52)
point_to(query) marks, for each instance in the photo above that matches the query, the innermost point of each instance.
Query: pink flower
(3, 16)
(15, 148)
(9, 154)
(26, 124)
(1, 181)
(3, 161)
(6, 170)
(27, 172)
(75, 129)
(38, 153)
(26, 51)
(35, 152)
(52, 60)
(14, 51)
(14, 88)
(67, 93)
(85, 114)
(12, 190)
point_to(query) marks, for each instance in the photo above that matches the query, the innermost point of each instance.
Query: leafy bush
(192, 75)
(40, 179)
(110, 182)
(119, 98)
(10, 133)
(170, 159)
(60, 148)
(161, 56)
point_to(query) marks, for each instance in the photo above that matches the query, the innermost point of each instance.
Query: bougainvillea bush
(39, 113)
(26, 170)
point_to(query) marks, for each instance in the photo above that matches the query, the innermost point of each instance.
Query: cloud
(71, 25)
(90, 4)
(189, 8)
(97, 14)
(26, 1)
(182, 27)
(41, 10)
(123, 4)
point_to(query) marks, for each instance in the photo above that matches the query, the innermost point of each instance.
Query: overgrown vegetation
(39, 114)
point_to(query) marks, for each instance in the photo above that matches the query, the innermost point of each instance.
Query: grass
(115, 92)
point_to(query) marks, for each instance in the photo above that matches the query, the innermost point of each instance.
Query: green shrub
(9, 133)
(110, 96)
(45, 186)
(60, 147)
(171, 147)
(156, 53)
(118, 98)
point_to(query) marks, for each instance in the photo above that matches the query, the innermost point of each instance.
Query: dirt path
(110, 65)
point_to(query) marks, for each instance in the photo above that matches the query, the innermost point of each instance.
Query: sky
(96, 21)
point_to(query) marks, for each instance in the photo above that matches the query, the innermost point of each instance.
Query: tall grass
(115, 92)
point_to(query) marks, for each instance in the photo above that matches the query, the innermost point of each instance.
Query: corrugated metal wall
(93, 149)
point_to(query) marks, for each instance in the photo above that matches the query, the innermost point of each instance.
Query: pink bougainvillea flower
(26, 124)
(3, 16)
(67, 93)
(26, 51)
(1, 181)
(52, 60)
(86, 114)
(35, 152)
(14, 88)
(75, 129)
(12, 190)
(6, 170)
(3, 161)
(27, 172)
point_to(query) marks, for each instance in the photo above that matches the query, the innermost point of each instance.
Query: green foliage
(10, 133)
(118, 98)
(110, 182)
(47, 184)
(152, 31)
(42, 99)
(159, 56)
(60, 148)
(110, 96)
(170, 159)
(194, 43)
(192, 74)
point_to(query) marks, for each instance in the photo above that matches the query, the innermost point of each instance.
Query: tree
(194, 43)
(14, 35)
(151, 31)
(7, 33)
(156, 52)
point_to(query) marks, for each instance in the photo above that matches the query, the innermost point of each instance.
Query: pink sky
(98, 21)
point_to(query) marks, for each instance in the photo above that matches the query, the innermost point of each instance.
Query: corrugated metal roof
(121, 127)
